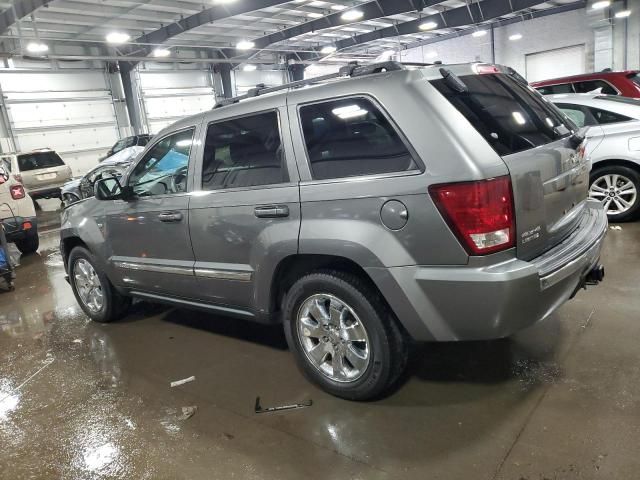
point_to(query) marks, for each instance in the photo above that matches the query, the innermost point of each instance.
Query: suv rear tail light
(17, 192)
(2, 179)
(479, 213)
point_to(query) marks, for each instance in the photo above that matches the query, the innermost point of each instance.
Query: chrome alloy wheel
(333, 338)
(88, 285)
(616, 192)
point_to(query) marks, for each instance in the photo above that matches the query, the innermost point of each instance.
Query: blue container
(3, 259)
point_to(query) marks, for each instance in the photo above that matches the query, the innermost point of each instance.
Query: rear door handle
(272, 211)
(170, 217)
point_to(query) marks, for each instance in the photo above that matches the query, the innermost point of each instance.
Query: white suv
(42, 172)
(17, 213)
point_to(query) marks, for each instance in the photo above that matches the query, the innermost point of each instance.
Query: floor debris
(260, 409)
(615, 227)
(177, 383)
(188, 412)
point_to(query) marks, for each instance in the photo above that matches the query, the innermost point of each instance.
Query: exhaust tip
(595, 275)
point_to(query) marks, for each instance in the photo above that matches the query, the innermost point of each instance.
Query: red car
(625, 83)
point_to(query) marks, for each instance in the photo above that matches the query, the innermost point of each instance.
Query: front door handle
(272, 211)
(170, 217)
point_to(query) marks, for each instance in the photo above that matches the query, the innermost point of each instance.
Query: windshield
(510, 116)
(38, 160)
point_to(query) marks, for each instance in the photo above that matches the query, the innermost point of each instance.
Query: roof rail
(350, 70)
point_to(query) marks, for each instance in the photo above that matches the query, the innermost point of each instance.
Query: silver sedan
(613, 146)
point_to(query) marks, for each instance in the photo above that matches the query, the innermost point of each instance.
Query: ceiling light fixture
(623, 14)
(351, 15)
(161, 52)
(117, 38)
(338, 7)
(328, 49)
(600, 5)
(515, 36)
(314, 15)
(245, 45)
(479, 33)
(428, 25)
(37, 47)
(249, 68)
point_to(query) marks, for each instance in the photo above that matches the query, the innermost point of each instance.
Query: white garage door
(170, 96)
(70, 112)
(560, 62)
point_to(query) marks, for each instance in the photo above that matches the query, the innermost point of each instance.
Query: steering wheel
(178, 181)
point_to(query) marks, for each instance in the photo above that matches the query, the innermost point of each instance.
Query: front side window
(164, 169)
(595, 86)
(244, 152)
(351, 137)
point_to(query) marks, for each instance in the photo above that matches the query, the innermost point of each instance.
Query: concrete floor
(80, 400)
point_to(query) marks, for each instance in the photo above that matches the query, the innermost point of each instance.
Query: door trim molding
(223, 274)
(154, 268)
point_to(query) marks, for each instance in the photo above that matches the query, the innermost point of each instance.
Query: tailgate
(550, 185)
(550, 179)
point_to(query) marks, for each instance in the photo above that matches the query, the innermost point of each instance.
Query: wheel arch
(294, 266)
(614, 162)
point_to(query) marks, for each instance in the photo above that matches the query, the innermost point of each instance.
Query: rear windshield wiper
(453, 81)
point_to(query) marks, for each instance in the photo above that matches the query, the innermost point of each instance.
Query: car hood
(126, 155)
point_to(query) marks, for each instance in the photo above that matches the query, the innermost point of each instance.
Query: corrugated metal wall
(171, 95)
(71, 112)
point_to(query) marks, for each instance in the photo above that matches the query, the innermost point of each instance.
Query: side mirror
(110, 189)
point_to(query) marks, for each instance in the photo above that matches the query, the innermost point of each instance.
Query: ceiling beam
(21, 9)
(471, 14)
(567, 7)
(208, 15)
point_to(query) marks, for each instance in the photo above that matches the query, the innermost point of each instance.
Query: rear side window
(594, 86)
(244, 152)
(553, 89)
(604, 116)
(506, 113)
(635, 78)
(39, 160)
(351, 137)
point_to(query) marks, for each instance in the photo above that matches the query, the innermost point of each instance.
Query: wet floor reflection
(103, 408)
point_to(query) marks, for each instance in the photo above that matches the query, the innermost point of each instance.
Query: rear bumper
(14, 230)
(487, 302)
(48, 192)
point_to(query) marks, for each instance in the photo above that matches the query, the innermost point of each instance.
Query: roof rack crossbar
(350, 70)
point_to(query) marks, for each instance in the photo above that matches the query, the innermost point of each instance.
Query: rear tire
(28, 245)
(89, 284)
(626, 190)
(370, 351)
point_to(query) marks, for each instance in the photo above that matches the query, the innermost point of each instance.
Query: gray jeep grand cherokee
(369, 208)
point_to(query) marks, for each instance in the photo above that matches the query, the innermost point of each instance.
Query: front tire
(618, 188)
(344, 337)
(93, 290)
(28, 245)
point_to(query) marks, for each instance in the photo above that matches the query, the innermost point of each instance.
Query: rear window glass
(506, 113)
(39, 160)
